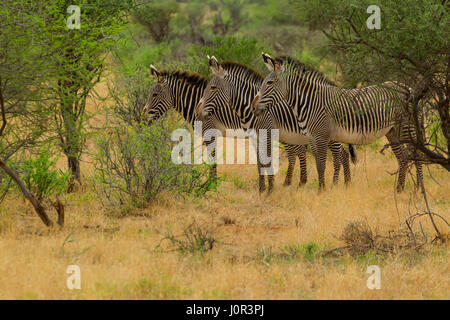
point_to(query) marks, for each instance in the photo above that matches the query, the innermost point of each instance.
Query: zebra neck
(306, 95)
(243, 94)
(186, 96)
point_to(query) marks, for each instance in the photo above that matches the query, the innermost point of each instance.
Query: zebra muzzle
(254, 103)
(199, 109)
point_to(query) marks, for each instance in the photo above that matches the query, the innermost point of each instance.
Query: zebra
(326, 112)
(183, 90)
(236, 84)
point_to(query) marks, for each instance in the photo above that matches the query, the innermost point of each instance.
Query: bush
(246, 51)
(195, 239)
(156, 16)
(134, 165)
(41, 178)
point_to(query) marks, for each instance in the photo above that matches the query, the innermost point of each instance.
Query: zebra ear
(271, 63)
(154, 72)
(216, 68)
(268, 61)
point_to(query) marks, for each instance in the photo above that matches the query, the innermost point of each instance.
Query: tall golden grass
(267, 247)
(119, 257)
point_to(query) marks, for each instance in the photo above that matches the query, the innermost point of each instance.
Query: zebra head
(217, 93)
(272, 89)
(159, 99)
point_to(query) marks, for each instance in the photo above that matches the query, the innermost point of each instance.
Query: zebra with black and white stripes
(183, 91)
(326, 112)
(235, 85)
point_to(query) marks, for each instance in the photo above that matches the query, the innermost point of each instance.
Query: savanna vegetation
(75, 155)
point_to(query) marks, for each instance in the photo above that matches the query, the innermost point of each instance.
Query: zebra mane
(303, 69)
(239, 67)
(186, 76)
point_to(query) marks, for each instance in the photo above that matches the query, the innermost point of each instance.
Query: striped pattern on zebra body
(182, 91)
(327, 112)
(236, 85)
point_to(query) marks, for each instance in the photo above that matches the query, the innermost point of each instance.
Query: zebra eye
(269, 82)
(213, 87)
(154, 95)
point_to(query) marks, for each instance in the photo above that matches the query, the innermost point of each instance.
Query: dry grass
(265, 247)
(256, 247)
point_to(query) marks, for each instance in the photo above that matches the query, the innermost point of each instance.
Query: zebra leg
(399, 153)
(336, 151)
(301, 153)
(265, 157)
(211, 146)
(270, 176)
(319, 146)
(291, 158)
(344, 159)
(346, 164)
(261, 178)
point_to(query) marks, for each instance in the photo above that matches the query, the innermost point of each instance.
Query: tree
(411, 46)
(229, 16)
(407, 42)
(155, 16)
(23, 67)
(78, 66)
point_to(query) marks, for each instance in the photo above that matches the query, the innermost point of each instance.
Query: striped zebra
(183, 91)
(326, 112)
(235, 84)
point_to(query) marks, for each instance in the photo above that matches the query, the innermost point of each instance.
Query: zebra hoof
(321, 190)
(302, 183)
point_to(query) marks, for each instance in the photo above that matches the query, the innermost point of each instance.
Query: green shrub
(134, 165)
(195, 239)
(41, 177)
(246, 51)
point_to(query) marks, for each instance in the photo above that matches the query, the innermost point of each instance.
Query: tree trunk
(36, 204)
(74, 169)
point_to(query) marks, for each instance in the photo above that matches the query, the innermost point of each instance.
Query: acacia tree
(78, 66)
(407, 41)
(23, 71)
(229, 16)
(155, 16)
(411, 46)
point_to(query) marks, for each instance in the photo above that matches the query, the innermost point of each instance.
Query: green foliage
(78, 64)
(197, 185)
(272, 12)
(22, 29)
(411, 31)
(370, 258)
(411, 47)
(134, 165)
(308, 252)
(195, 239)
(155, 16)
(239, 182)
(265, 255)
(246, 51)
(41, 178)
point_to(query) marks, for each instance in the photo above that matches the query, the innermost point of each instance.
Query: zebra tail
(352, 152)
